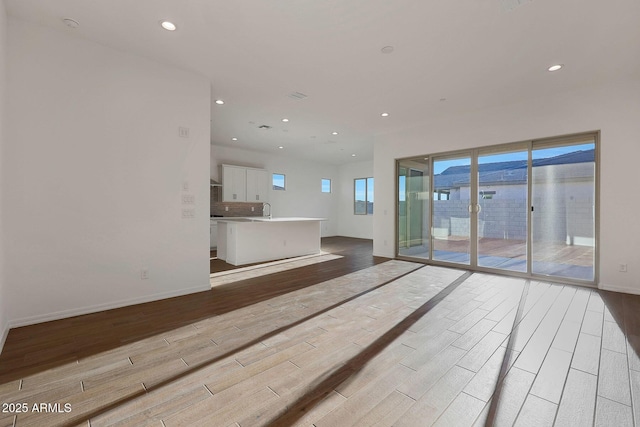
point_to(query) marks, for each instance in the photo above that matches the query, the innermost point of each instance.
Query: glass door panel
(502, 212)
(527, 208)
(451, 229)
(563, 210)
(413, 208)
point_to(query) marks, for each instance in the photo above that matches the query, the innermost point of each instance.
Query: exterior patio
(549, 258)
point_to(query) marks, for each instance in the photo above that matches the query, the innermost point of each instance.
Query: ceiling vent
(264, 127)
(297, 95)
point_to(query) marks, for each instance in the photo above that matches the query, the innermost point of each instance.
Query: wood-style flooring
(352, 341)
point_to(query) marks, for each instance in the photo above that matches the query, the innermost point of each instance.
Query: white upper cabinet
(240, 184)
(234, 184)
(257, 185)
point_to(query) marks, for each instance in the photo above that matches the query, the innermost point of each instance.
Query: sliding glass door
(563, 209)
(451, 213)
(529, 209)
(502, 210)
(413, 208)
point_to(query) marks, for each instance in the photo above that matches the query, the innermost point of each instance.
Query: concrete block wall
(553, 220)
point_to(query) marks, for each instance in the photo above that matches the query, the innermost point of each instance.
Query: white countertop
(265, 219)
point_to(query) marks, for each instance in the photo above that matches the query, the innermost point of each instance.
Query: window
(439, 194)
(278, 181)
(363, 196)
(326, 185)
(486, 194)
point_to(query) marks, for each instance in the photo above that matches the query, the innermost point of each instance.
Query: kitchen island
(258, 239)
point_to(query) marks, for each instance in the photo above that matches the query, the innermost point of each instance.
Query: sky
(278, 180)
(441, 165)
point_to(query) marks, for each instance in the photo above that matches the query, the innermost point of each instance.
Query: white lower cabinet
(213, 234)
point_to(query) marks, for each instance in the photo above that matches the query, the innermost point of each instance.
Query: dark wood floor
(352, 341)
(33, 348)
(352, 248)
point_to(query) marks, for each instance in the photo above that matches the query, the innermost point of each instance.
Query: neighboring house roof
(583, 156)
(512, 172)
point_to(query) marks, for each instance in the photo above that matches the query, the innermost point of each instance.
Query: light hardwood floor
(352, 341)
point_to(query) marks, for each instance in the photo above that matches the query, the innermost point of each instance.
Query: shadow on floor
(362, 358)
(625, 311)
(506, 360)
(35, 348)
(321, 389)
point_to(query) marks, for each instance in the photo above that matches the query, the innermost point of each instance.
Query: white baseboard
(621, 289)
(3, 338)
(31, 320)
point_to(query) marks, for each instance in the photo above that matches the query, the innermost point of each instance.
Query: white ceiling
(473, 53)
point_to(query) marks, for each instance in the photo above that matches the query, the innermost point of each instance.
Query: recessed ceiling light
(234, 139)
(219, 101)
(385, 114)
(353, 155)
(443, 99)
(387, 49)
(281, 147)
(334, 133)
(285, 120)
(555, 67)
(168, 25)
(71, 23)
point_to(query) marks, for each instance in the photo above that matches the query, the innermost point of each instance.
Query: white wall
(352, 225)
(93, 176)
(4, 327)
(613, 108)
(302, 196)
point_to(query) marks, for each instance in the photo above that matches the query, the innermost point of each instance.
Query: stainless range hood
(215, 183)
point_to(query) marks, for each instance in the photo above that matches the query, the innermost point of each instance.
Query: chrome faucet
(264, 206)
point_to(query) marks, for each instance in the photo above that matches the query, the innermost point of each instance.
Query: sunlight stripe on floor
(231, 276)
